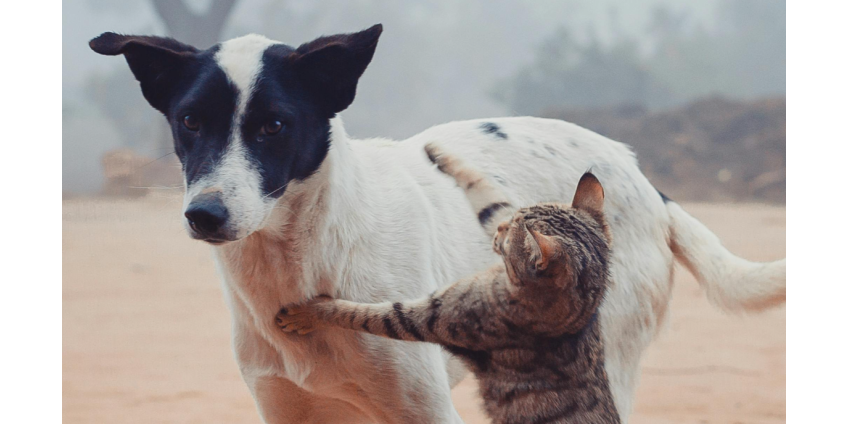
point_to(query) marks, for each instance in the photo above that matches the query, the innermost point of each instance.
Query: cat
(527, 328)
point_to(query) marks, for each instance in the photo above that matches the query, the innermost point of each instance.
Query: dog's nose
(206, 214)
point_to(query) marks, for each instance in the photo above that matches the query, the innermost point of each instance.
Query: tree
(744, 57)
(566, 73)
(200, 30)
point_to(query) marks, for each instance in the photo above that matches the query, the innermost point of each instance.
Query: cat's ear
(157, 62)
(589, 195)
(331, 66)
(542, 249)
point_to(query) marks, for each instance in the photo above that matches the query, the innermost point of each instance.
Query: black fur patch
(208, 96)
(486, 214)
(406, 323)
(296, 151)
(665, 198)
(492, 128)
(390, 329)
(160, 64)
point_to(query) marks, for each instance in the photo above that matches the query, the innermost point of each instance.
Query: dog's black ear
(330, 66)
(157, 62)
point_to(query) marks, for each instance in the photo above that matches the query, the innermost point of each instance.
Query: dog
(295, 208)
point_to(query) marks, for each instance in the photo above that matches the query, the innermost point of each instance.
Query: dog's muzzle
(207, 216)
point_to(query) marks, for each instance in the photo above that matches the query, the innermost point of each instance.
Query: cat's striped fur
(488, 201)
(527, 328)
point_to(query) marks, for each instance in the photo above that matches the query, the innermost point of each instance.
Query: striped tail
(488, 201)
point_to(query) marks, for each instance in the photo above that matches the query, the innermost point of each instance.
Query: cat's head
(554, 245)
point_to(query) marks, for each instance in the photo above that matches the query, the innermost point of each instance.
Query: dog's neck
(300, 251)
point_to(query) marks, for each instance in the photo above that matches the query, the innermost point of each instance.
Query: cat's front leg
(455, 316)
(393, 320)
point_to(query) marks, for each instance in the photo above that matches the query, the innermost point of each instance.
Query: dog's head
(248, 116)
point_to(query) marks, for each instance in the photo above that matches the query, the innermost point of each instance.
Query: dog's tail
(731, 283)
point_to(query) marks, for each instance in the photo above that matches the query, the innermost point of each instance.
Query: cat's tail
(731, 283)
(488, 201)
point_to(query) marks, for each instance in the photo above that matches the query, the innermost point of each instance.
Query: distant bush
(743, 57)
(711, 149)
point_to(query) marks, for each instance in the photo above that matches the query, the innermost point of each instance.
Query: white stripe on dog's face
(235, 176)
(241, 60)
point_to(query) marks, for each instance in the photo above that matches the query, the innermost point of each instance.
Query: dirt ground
(146, 331)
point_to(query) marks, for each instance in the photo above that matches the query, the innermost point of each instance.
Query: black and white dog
(295, 208)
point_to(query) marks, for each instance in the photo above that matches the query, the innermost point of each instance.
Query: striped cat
(527, 328)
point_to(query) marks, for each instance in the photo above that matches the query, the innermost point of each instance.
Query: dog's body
(375, 221)
(378, 222)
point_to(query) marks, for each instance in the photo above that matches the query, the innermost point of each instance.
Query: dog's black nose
(207, 214)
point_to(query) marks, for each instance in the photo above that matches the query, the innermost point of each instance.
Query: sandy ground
(146, 331)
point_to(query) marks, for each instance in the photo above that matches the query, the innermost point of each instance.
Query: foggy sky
(437, 61)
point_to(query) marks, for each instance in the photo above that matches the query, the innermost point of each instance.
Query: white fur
(241, 60)
(726, 278)
(381, 243)
(235, 176)
(378, 222)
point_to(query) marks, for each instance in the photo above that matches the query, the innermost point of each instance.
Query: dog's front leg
(280, 401)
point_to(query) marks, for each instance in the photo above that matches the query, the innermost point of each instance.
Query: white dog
(295, 208)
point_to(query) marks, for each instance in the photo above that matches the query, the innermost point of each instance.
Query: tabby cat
(527, 328)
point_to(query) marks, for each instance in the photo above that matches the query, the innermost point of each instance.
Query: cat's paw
(298, 319)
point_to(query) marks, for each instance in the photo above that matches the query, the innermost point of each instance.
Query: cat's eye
(191, 123)
(272, 127)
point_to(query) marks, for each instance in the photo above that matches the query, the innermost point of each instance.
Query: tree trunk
(199, 30)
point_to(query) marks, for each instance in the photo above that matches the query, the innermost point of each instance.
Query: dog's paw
(297, 319)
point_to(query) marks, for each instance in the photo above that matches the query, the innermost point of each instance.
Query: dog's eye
(191, 123)
(272, 127)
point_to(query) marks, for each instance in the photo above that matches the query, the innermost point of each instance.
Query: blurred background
(696, 87)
